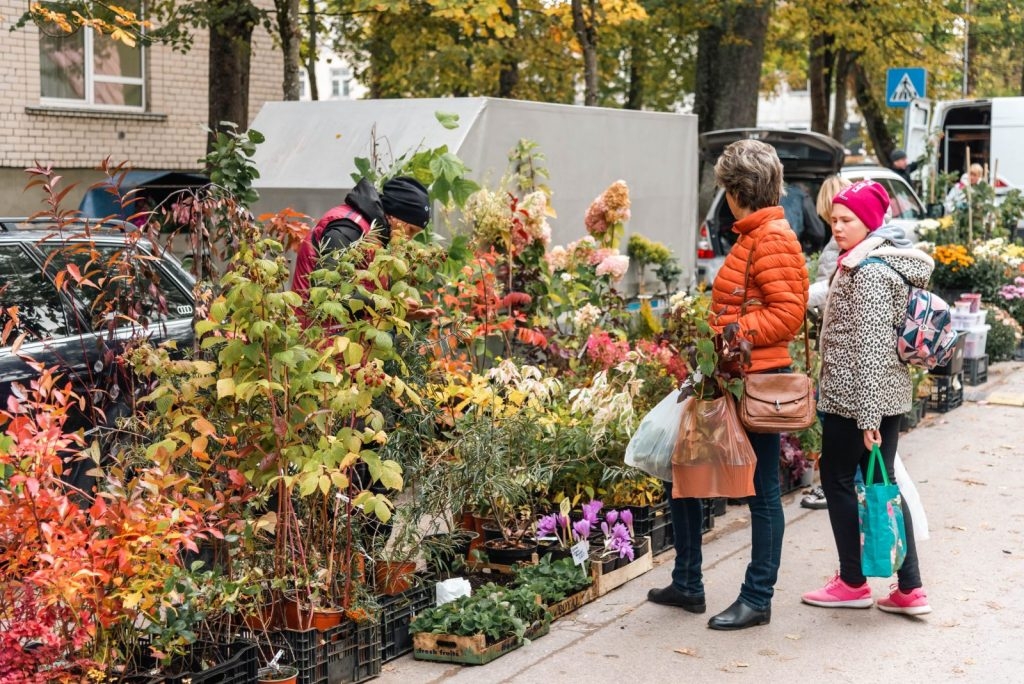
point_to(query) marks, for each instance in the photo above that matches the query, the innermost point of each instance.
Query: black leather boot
(740, 616)
(670, 596)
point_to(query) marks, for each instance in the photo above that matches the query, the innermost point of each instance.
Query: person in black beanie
(903, 166)
(401, 209)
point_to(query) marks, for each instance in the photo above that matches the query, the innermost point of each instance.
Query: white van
(990, 130)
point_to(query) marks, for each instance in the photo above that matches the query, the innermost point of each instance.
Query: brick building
(71, 102)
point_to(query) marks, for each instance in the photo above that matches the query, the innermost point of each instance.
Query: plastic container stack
(969, 319)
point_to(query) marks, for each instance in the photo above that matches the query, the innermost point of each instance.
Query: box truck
(988, 131)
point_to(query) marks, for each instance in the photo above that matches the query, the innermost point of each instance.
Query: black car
(114, 288)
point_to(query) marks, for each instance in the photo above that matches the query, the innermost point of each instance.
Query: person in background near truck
(802, 218)
(751, 174)
(864, 388)
(899, 163)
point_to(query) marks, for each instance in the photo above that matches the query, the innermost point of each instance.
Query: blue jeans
(767, 524)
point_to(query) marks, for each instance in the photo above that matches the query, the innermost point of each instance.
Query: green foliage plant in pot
(290, 409)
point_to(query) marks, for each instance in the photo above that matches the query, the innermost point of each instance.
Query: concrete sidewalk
(969, 467)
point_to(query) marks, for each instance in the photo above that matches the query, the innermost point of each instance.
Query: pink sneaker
(914, 602)
(839, 594)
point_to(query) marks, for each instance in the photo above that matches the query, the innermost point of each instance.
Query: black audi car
(72, 295)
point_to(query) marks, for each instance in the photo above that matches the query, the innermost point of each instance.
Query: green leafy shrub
(553, 581)
(496, 612)
(1003, 336)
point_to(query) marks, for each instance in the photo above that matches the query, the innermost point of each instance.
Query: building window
(89, 68)
(341, 80)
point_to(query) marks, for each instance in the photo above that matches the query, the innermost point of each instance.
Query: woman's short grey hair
(751, 172)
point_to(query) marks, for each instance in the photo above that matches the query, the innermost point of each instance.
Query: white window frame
(88, 66)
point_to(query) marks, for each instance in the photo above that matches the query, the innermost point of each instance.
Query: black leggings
(842, 451)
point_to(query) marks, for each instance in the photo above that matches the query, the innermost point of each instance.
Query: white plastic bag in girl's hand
(909, 492)
(650, 448)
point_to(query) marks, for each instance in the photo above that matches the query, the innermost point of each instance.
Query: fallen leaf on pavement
(967, 480)
(794, 637)
(738, 664)
(687, 651)
(993, 605)
(958, 527)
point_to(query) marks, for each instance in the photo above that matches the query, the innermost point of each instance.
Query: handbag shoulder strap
(743, 307)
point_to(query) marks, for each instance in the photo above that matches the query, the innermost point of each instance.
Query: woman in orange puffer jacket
(776, 293)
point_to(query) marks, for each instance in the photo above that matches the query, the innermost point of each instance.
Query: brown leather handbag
(777, 402)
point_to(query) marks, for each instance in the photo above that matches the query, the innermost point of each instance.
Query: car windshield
(118, 285)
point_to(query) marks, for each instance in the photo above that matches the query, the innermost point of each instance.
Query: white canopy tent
(307, 160)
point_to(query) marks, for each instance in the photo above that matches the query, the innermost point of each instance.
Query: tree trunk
(729, 56)
(819, 71)
(972, 60)
(231, 28)
(874, 116)
(637, 70)
(586, 34)
(842, 76)
(508, 77)
(314, 87)
(288, 32)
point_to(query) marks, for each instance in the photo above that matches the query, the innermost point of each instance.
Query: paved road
(969, 466)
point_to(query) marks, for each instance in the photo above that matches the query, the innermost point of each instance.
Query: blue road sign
(904, 84)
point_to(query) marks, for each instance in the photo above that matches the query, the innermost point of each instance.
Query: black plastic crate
(976, 370)
(396, 612)
(707, 509)
(661, 531)
(368, 651)
(911, 418)
(237, 663)
(947, 393)
(643, 519)
(718, 506)
(320, 657)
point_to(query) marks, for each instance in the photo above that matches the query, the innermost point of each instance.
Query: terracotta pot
(284, 674)
(265, 617)
(301, 617)
(393, 578)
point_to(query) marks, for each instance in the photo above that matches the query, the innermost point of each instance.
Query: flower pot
(391, 578)
(491, 530)
(553, 550)
(500, 552)
(282, 674)
(302, 616)
(444, 549)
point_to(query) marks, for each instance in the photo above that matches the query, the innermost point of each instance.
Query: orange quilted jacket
(777, 290)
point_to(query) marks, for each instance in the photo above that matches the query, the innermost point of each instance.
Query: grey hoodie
(827, 262)
(862, 376)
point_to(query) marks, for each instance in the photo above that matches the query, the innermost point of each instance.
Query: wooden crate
(571, 603)
(468, 650)
(603, 583)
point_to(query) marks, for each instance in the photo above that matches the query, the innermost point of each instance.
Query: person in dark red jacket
(401, 208)
(363, 211)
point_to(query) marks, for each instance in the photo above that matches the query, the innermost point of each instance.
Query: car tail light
(704, 250)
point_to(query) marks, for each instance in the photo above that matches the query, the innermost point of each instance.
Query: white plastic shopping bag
(909, 492)
(650, 448)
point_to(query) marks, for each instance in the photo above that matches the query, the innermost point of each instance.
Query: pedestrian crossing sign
(904, 84)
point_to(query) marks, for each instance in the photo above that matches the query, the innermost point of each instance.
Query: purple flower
(546, 526)
(590, 511)
(626, 516)
(581, 528)
(563, 521)
(612, 517)
(604, 530)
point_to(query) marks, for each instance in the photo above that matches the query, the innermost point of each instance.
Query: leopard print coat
(861, 375)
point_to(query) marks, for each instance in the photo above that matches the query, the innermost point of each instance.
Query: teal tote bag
(883, 534)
